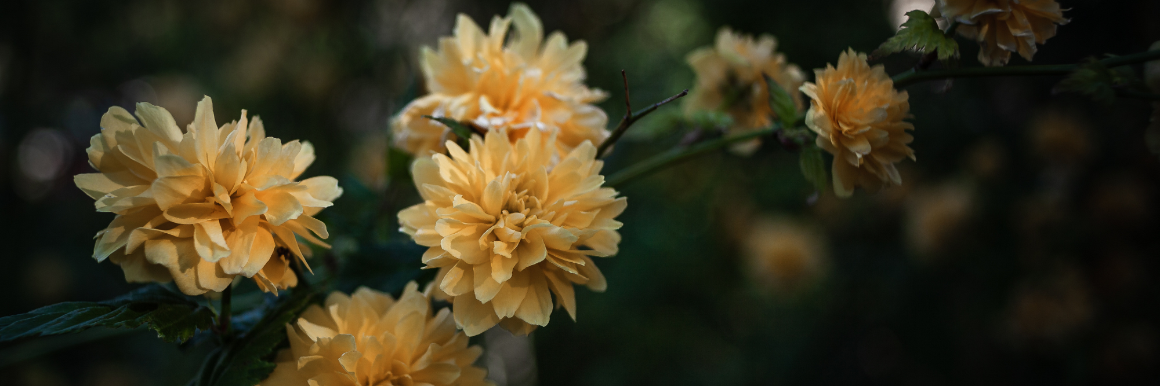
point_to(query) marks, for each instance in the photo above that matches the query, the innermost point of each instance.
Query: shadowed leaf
(175, 317)
(921, 34)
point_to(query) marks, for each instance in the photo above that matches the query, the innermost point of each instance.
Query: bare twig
(631, 117)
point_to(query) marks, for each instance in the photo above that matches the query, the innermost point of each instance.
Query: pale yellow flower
(204, 206)
(729, 78)
(858, 116)
(507, 223)
(371, 339)
(1004, 26)
(783, 255)
(525, 84)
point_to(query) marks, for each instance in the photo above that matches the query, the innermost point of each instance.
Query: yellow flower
(1004, 26)
(505, 224)
(858, 116)
(936, 218)
(525, 84)
(202, 207)
(783, 255)
(729, 77)
(369, 338)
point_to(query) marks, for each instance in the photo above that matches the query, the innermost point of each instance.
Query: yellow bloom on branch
(526, 84)
(204, 206)
(858, 116)
(1004, 26)
(370, 338)
(508, 226)
(729, 78)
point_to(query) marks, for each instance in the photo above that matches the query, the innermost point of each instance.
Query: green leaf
(1099, 82)
(814, 166)
(920, 33)
(247, 360)
(460, 129)
(175, 317)
(781, 102)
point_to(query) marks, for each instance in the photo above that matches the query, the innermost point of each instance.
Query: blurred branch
(631, 117)
(912, 76)
(676, 155)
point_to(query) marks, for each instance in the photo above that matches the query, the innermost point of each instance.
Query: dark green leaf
(460, 129)
(920, 33)
(247, 360)
(1098, 81)
(175, 317)
(781, 102)
(814, 166)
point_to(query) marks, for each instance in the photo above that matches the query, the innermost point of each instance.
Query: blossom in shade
(509, 226)
(730, 78)
(370, 338)
(858, 117)
(203, 206)
(783, 255)
(1004, 26)
(508, 77)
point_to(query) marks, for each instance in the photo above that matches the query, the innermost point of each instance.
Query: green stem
(911, 77)
(224, 316)
(675, 155)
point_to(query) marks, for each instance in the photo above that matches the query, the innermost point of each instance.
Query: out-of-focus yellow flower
(1052, 308)
(525, 84)
(1061, 139)
(505, 224)
(1004, 26)
(369, 338)
(783, 255)
(729, 78)
(935, 217)
(203, 206)
(858, 116)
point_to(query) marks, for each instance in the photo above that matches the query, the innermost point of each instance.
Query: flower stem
(630, 117)
(224, 316)
(911, 77)
(676, 155)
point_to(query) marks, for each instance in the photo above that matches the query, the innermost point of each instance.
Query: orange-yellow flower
(729, 78)
(369, 338)
(1004, 26)
(783, 255)
(525, 84)
(858, 116)
(508, 225)
(204, 206)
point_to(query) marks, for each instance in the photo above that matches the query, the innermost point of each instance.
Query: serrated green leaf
(175, 317)
(247, 360)
(461, 130)
(781, 102)
(1097, 81)
(814, 166)
(920, 33)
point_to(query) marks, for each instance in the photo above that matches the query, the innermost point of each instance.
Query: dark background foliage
(1047, 276)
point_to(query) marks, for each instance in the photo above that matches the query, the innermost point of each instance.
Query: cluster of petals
(858, 117)
(202, 207)
(369, 338)
(508, 225)
(1004, 26)
(527, 83)
(730, 77)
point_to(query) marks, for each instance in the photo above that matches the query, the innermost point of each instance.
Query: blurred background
(1020, 248)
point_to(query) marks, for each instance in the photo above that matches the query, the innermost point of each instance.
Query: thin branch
(912, 76)
(676, 155)
(631, 117)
